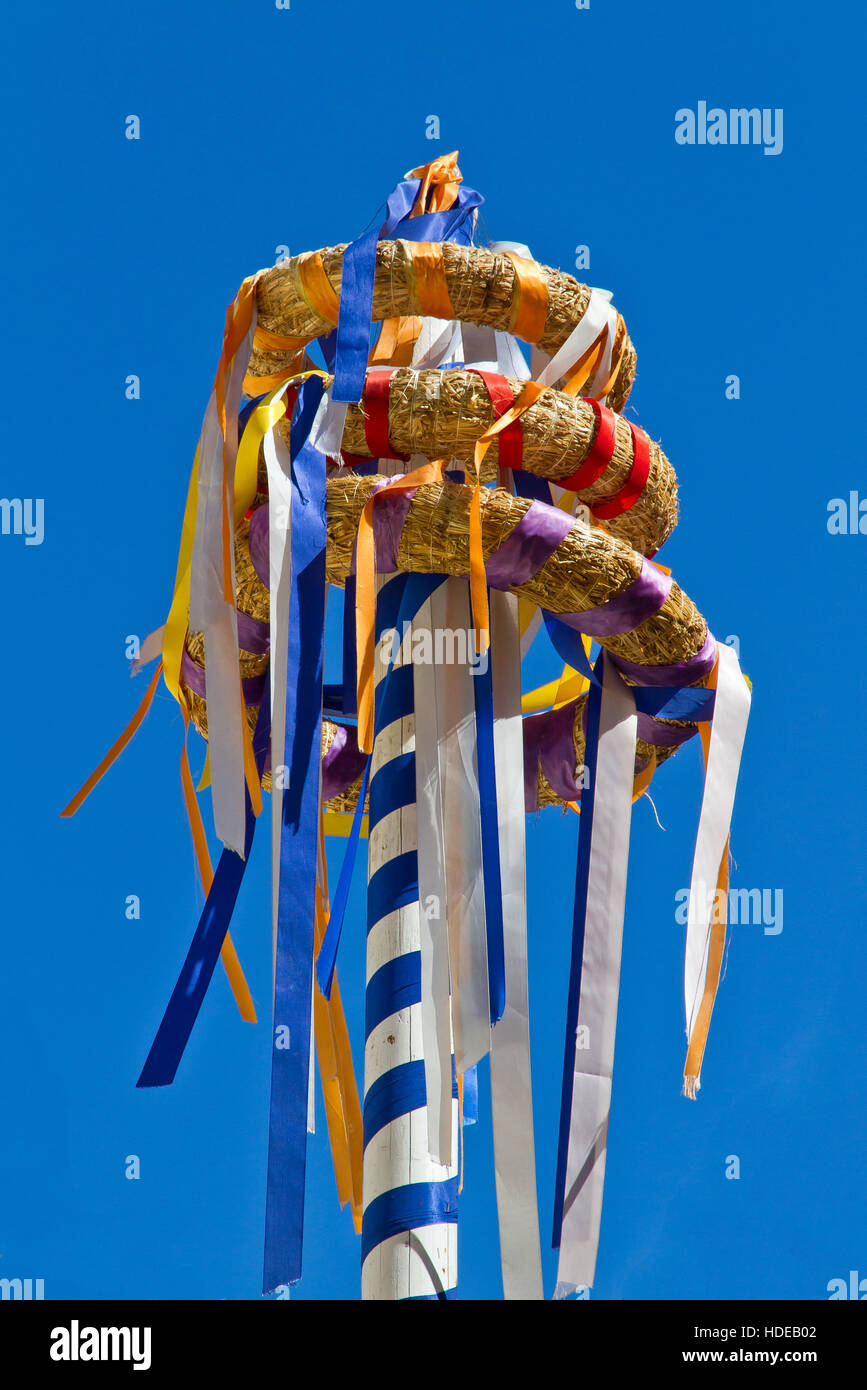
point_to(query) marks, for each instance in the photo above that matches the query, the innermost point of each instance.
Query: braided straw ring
(587, 571)
(298, 300)
(566, 439)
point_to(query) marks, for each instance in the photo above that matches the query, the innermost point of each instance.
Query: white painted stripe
(400, 1266)
(397, 824)
(393, 935)
(404, 1140)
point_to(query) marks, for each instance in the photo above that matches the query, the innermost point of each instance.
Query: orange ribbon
(365, 593)
(117, 747)
(530, 392)
(430, 279)
(336, 1070)
(317, 288)
(530, 303)
(440, 178)
(394, 346)
(231, 964)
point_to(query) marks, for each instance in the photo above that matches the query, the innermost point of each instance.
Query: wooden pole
(407, 1252)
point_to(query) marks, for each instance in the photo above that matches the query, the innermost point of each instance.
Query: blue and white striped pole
(409, 1225)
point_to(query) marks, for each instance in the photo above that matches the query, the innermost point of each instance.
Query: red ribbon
(635, 483)
(600, 454)
(510, 440)
(376, 393)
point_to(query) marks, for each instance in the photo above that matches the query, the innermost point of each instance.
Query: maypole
(374, 476)
(409, 1226)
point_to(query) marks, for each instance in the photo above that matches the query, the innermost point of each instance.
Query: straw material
(442, 413)
(481, 285)
(587, 569)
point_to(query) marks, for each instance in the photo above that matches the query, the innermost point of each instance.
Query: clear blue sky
(261, 127)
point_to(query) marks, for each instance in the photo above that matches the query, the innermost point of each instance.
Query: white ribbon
(511, 1089)
(598, 313)
(213, 615)
(728, 729)
(329, 422)
(435, 1003)
(600, 984)
(278, 463)
(462, 833)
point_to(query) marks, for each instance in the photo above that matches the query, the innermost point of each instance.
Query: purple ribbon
(253, 635)
(548, 740)
(259, 545)
(525, 550)
(627, 611)
(343, 764)
(193, 676)
(684, 673)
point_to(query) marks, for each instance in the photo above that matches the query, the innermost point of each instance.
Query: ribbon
(327, 956)
(511, 1089)
(198, 968)
(600, 894)
(489, 803)
(406, 218)
(290, 1059)
(705, 935)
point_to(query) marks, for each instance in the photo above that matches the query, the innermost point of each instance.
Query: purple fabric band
(343, 764)
(548, 740)
(253, 636)
(193, 676)
(525, 550)
(389, 516)
(686, 673)
(662, 735)
(638, 602)
(259, 545)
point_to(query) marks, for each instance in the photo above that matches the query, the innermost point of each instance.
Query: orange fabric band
(430, 279)
(530, 301)
(317, 288)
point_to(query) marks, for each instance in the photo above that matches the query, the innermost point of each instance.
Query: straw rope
(588, 568)
(442, 413)
(481, 285)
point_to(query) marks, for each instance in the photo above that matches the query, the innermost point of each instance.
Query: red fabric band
(510, 441)
(601, 451)
(635, 483)
(376, 392)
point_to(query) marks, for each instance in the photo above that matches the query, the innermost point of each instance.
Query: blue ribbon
(183, 1008)
(290, 1057)
(582, 871)
(359, 266)
(327, 958)
(483, 693)
(661, 701)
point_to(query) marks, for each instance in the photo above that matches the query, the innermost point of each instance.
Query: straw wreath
(588, 568)
(482, 287)
(442, 413)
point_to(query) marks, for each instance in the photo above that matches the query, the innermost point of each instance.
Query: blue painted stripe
(392, 787)
(398, 1091)
(393, 698)
(396, 985)
(392, 886)
(408, 1208)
